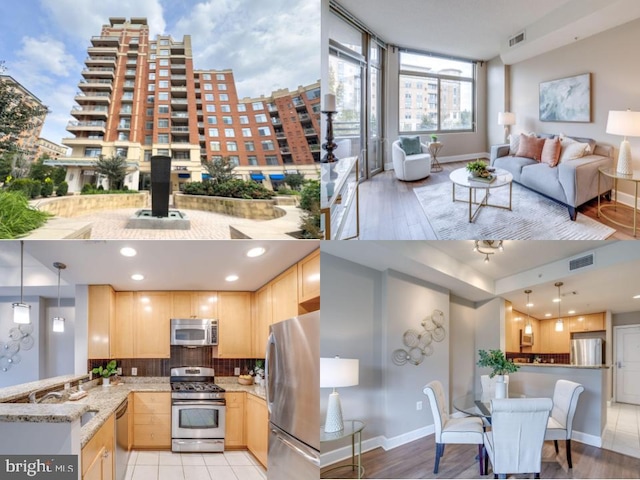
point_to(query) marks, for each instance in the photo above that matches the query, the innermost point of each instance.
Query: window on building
(151, 87)
(163, 72)
(123, 136)
(163, 123)
(162, 151)
(212, 120)
(208, 97)
(267, 144)
(152, 66)
(210, 108)
(206, 76)
(246, 132)
(163, 96)
(164, 62)
(244, 120)
(208, 86)
(219, 76)
(257, 106)
(164, 51)
(125, 109)
(163, 84)
(164, 42)
(232, 146)
(181, 155)
(148, 125)
(92, 152)
(229, 132)
(163, 138)
(261, 118)
(449, 104)
(122, 152)
(234, 160)
(127, 96)
(152, 76)
(242, 107)
(249, 146)
(222, 87)
(271, 160)
(213, 132)
(313, 94)
(150, 112)
(147, 155)
(216, 158)
(264, 131)
(163, 108)
(152, 56)
(252, 160)
(150, 98)
(227, 120)
(214, 146)
(224, 97)
(148, 139)
(225, 108)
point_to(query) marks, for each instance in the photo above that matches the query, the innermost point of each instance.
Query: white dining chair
(451, 430)
(514, 443)
(560, 424)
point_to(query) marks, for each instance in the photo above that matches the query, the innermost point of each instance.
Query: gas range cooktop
(195, 387)
(189, 383)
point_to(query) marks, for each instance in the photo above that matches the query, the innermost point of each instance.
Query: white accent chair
(560, 424)
(410, 167)
(451, 430)
(514, 444)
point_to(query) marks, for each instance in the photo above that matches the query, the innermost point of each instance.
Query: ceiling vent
(516, 39)
(584, 261)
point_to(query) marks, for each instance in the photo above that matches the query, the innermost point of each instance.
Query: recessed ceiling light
(256, 252)
(571, 312)
(636, 296)
(547, 314)
(137, 277)
(128, 252)
(231, 278)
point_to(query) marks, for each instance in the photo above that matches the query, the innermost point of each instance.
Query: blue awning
(258, 177)
(206, 176)
(184, 175)
(276, 176)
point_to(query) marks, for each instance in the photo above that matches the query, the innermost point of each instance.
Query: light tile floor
(166, 465)
(622, 433)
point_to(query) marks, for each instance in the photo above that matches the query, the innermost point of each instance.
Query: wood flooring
(389, 210)
(415, 460)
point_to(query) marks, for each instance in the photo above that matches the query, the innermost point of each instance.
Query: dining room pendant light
(559, 322)
(21, 311)
(528, 329)
(58, 321)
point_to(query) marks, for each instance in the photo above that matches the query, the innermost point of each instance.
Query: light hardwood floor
(389, 210)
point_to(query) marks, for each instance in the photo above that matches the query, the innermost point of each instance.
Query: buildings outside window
(246, 132)
(313, 94)
(249, 146)
(257, 106)
(215, 146)
(232, 146)
(261, 118)
(267, 144)
(213, 132)
(229, 132)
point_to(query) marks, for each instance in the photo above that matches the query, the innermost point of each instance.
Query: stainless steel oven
(198, 411)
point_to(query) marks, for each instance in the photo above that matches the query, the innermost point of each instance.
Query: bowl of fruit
(245, 380)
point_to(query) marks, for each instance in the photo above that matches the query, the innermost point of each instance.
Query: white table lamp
(627, 124)
(507, 119)
(334, 373)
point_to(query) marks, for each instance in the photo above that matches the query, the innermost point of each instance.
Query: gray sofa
(571, 183)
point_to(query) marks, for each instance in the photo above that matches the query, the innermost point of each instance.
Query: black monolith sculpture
(160, 185)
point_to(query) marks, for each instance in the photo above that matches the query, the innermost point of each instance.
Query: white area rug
(533, 217)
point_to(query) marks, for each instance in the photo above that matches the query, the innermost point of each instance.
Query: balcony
(179, 101)
(202, 138)
(285, 151)
(105, 41)
(314, 147)
(124, 126)
(129, 84)
(129, 73)
(310, 131)
(304, 117)
(86, 126)
(272, 108)
(178, 77)
(126, 112)
(95, 110)
(132, 62)
(281, 135)
(180, 117)
(178, 67)
(89, 141)
(102, 50)
(181, 144)
(276, 121)
(179, 129)
(102, 60)
(179, 89)
(127, 98)
(90, 73)
(93, 97)
(297, 102)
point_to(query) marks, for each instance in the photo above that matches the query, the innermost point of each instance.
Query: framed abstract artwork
(566, 99)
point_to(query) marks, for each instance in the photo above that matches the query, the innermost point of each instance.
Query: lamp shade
(338, 372)
(625, 123)
(506, 118)
(58, 324)
(21, 313)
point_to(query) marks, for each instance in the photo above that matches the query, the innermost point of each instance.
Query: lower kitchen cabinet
(152, 420)
(234, 421)
(257, 419)
(98, 454)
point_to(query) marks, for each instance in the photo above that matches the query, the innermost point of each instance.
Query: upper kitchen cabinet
(122, 345)
(284, 294)
(309, 283)
(234, 315)
(262, 315)
(587, 323)
(152, 312)
(186, 304)
(101, 320)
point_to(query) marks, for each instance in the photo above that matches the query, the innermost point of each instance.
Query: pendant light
(58, 322)
(559, 322)
(20, 309)
(528, 329)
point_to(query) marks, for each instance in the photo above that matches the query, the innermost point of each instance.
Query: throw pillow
(551, 151)
(573, 150)
(411, 145)
(514, 142)
(590, 141)
(530, 147)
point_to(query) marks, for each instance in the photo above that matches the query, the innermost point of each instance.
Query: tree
(220, 169)
(294, 180)
(17, 114)
(310, 203)
(114, 168)
(40, 171)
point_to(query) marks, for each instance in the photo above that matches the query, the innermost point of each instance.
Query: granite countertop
(563, 365)
(8, 394)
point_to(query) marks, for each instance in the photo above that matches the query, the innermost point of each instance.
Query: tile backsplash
(559, 358)
(180, 357)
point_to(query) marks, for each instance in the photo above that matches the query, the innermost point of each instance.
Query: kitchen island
(539, 379)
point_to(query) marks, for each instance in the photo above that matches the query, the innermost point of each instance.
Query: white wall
(462, 357)
(489, 332)
(59, 351)
(81, 329)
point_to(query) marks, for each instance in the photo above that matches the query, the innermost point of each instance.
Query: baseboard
(626, 199)
(587, 439)
(391, 443)
(451, 159)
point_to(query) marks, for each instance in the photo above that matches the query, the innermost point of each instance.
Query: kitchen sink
(87, 416)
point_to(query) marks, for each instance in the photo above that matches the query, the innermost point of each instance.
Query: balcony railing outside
(88, 123)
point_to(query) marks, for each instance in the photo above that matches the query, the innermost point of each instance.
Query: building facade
(141, 97)
(47, 147)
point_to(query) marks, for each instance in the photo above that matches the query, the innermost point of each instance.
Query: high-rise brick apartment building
(141, 97)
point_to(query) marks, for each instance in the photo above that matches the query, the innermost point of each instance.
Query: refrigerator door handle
(268, 370)
(295, 448)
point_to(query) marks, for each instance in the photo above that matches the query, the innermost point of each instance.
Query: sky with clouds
(268, 44)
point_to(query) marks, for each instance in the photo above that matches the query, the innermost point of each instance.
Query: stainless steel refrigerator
(587, 351)
(293, 398)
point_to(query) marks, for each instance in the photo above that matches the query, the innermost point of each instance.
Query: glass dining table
(478, 405)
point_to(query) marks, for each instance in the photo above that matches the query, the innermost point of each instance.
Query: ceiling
(479, 29)
(166, 265)
(537, 265)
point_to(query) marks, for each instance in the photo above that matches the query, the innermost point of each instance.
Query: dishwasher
(122, 440)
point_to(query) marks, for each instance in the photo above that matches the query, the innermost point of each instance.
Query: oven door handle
(210, 403)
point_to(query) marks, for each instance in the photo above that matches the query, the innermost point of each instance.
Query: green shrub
(17, 217)
(234, 188)
(310, 195)
(106, 192)
(24, 185)
(62, 189)
(87, 187)
(195, 188)
(287, 191)
(36, 189)
(47, 188)
(310, 203)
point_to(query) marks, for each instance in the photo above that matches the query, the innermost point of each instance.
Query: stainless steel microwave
(526, 339)
(194, 332)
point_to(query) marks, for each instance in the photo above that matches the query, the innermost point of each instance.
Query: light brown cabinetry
(151, 326)
(309, 283)
(234, 314)
(122, 342)
(257, 427)
(186, 304)
(98, 454)
(587, 323)
(234, 420)
(100, 321)
(262, 315)
(284, 295)
(152, 420)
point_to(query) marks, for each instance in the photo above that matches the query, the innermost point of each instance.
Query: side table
(633, 177)
(352, 428)
(434, 149)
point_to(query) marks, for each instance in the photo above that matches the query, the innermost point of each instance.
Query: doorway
(627, 364)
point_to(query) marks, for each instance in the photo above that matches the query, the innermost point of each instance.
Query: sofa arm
(498, 151)
(579, 178)
(398, 158)
(424, 147)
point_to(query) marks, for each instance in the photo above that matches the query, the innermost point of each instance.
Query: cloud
(46, 56)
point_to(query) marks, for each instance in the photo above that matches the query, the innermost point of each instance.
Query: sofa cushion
(551, 151)
(513, 165)
(530, 147)
(542, 179)
(514, 141)
(572, 150)
(590, 141)
(411, 145)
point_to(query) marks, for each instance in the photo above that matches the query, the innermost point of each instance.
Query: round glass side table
(353, 429)
(635, 179)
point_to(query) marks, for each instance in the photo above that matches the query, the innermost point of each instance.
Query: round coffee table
(460, 177)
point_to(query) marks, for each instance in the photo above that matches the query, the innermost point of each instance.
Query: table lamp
(334, 373)
(627, 124)
(507, 119)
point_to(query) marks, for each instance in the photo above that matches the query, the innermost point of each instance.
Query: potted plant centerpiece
(500, 366)
(478, 168)
(109, 369)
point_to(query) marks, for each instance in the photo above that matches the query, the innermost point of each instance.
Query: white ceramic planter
(501, 387)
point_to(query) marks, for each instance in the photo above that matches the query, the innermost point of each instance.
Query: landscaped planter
(77, 205)
(236, 207)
